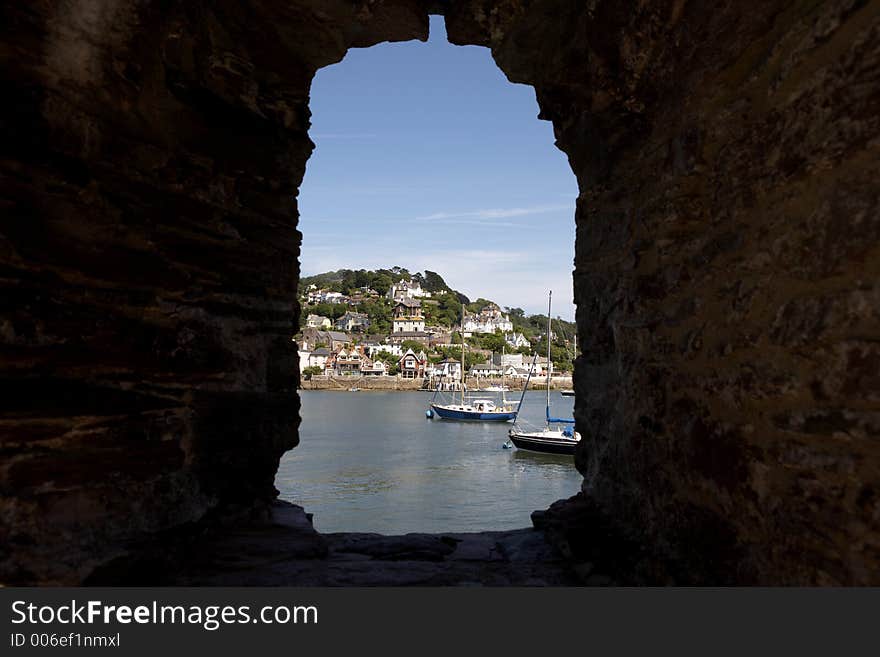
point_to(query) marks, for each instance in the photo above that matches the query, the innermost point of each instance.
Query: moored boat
(547, 440)
(474, 410)
(558, 435)
(480, 410)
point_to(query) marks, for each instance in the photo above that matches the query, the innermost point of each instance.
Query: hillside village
(391, 323)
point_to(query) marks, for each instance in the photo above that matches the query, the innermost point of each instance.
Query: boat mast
(503, 396)
(462, 353)
(549, 362)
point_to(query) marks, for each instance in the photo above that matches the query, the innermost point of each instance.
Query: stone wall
(726, 265)
(150, 157)
(726, 270)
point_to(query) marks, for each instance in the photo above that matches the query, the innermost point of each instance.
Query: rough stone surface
(727, 270)
(284, 550)
(726, 276)
(150, 155)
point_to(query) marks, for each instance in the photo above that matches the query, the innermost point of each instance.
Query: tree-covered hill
(349, 281)
(443, 309)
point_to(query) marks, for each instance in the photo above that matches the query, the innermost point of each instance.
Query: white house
(352, 321)
(521, 368)
(408, 317)
(488, 320)
(407, 289)
(315, 358)
(516, 340)
(373, 367)
(332, 297)
(486, 369)
(373, 348)
(449, 368)
(318, 321)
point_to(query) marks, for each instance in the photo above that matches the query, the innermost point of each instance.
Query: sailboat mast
(549, 362)
(462, 353)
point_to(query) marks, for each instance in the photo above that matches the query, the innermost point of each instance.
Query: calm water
(371, 461)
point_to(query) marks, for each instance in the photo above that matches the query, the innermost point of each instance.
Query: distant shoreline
(395, 384)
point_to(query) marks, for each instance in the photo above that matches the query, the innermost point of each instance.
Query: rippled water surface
(371, 461)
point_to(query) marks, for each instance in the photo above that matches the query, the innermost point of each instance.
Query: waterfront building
(413, 365)
(449, 368)
(373, 367)
(486, 369)
(318, 358)
(347, 361)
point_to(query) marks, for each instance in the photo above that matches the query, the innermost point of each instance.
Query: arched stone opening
(427, 157)
(726, 268)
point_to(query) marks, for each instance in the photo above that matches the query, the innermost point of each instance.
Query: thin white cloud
(496, 213)
(478, 222)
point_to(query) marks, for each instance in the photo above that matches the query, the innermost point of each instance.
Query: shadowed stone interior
(726, 279)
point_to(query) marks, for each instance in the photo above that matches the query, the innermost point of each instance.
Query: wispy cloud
(481, 222)
(495, 213)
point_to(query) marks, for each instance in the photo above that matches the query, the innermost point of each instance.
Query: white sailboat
(558, 435)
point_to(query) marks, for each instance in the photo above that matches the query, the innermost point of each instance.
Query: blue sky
(428, 158)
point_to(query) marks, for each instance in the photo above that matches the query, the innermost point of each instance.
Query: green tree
(415, 345)
(311, 371)
(381, 282)
(470, 358)
(379, 313)
(493, 341)
(434, 282)
(478, 305)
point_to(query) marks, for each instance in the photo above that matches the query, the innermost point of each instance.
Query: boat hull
(543, 444)
(473, 416)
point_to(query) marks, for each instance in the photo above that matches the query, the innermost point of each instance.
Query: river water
(371, 461)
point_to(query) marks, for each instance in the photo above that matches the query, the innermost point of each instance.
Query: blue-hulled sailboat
(473, 410)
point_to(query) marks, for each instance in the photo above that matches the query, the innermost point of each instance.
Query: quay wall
(343, 383)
